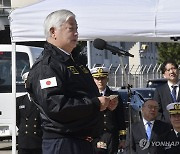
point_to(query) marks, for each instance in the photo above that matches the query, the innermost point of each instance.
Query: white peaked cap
(99, 71)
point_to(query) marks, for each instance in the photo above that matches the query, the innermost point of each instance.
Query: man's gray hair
(56, 19)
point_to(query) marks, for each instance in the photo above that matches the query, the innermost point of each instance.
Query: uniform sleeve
(60, 98)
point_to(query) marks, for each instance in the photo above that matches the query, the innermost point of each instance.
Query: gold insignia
(99, 70)
(100, 73)
(177, 106)
(122, 132)
(73, 69)
(174, 111)
(84, 69)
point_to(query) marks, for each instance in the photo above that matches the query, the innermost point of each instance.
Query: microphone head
(99, 44)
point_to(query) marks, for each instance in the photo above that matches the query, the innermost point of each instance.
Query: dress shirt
(102, 92)
(177, 133)
(146, 125)
(177, 88)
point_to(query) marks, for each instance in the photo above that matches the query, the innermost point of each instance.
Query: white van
(25, 57)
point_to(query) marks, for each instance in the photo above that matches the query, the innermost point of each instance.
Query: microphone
(101, 45)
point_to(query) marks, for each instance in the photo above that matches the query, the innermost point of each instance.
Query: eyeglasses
(152, 107)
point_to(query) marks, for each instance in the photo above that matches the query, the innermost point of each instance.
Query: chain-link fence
(137, 76)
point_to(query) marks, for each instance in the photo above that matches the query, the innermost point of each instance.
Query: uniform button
(26, 132)
(26, 119)
(35, 119)
(105, 122)
(34, 132)
(104, 129)
(105, 115)
(26, 125)
(34, 125)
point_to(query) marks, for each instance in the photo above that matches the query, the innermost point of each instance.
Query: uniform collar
(56, 52)
(103, 92)
(175, 132)
(64, 51)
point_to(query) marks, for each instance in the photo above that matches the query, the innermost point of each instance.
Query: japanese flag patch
(49, 82)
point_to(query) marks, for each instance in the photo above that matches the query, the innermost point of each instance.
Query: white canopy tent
(111, 20)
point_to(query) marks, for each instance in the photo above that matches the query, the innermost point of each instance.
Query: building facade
(145, 54)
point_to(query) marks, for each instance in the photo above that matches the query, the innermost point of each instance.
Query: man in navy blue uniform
(114, 128)
(29, 124)
(171, 139)
(64, 90)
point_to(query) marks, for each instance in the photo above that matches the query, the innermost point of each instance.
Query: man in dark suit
(29, 125)
(168, 92)
(171, 139)
(146, 131)
(114, 128)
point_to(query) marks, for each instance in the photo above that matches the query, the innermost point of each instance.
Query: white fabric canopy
(112, 20)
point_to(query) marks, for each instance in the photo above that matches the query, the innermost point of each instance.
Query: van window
(22, 66)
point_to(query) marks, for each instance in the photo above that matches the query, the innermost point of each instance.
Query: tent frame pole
(13, 59)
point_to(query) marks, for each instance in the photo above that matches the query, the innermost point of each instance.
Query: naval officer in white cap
(172, 137)
(29, 124)
(114, 129)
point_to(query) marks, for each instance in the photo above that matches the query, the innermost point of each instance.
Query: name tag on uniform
(49, 82)
(22, 107)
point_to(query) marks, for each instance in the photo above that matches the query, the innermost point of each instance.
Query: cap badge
(177, 106)
(99, 70)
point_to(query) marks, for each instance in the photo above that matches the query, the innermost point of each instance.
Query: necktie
(174, 93)
(148, 130)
